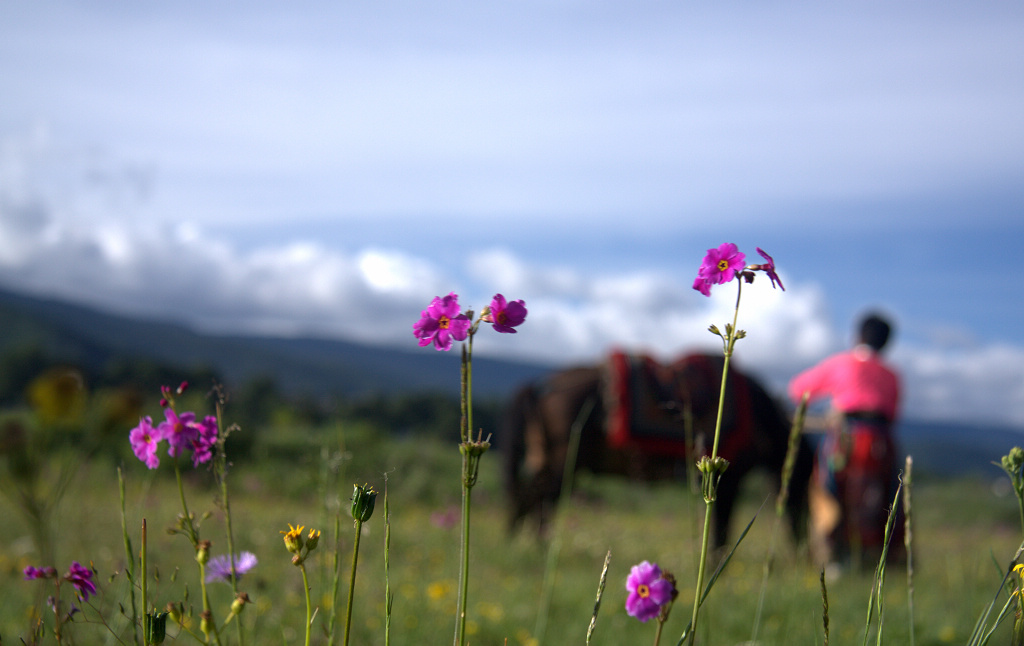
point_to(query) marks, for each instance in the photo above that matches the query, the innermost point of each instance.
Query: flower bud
(363, 499)
(173, 611)
(312, 539)
(239, 603)
(293, 539)
(156, 627)
(203, 552)
(206, 622)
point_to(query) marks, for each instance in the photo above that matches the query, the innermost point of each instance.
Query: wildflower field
(964, 533)
(191, 528)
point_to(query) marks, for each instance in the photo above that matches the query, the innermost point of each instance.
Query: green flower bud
(203, 552)
(312, 539)
(173, 611)
(363, 499)
(156, 627)
(206, 622)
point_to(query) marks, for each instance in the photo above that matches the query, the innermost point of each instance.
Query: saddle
(637, 397)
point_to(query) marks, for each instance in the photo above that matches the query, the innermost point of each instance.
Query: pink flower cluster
(182, 432)
(443, 321)
(726, 262)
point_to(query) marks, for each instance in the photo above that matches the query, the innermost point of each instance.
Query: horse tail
(513, 431)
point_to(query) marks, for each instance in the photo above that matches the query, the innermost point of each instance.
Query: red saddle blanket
(637, 395)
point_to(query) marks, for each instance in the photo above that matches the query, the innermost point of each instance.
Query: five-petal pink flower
(648, 591)
(718, 267)
(442, 322)
(145, 439)
(505, 315)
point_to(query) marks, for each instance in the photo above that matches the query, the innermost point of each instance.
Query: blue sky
(324, 168)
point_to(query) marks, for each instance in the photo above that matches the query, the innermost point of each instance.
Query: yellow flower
(312, 539)
(293, 539)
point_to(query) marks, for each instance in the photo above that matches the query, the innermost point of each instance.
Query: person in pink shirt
(855, 470)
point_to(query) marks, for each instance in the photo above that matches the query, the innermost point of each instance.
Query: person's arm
(814, 380)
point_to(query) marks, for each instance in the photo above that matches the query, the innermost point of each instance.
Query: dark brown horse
(630, 415)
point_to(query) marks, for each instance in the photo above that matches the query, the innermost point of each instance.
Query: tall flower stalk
(440, 324)
(720, 266)
(363, 499)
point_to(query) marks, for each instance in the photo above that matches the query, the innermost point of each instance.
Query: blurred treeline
(96, 407)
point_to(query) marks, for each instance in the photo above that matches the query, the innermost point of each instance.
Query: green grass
(302, 476)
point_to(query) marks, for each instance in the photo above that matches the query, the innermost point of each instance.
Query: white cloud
(375, 295)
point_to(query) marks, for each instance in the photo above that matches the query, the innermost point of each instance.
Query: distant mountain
(310, 366)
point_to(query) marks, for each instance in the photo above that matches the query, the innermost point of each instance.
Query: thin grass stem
(555, 546)
(908, 543)
(129, 559)
(600, 593)
(351, 581)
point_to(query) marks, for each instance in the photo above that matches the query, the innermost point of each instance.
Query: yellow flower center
(443, 322)
(643, 591)
(723, 265)
(179, 428)
(502, 318)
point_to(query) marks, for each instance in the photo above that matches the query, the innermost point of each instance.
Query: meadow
(966, 531)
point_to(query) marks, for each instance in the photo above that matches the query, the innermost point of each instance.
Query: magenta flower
(145, 439)
(81, 578)
(769, 268)
(442, 322)
(204, 441)
(719, 266)
(648, 591)
(702, 285)
(179, 431)
(39, 573)
(504, 316)
(219, 568)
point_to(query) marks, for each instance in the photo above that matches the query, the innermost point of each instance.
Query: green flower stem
(657, 635)
(187, 518)
(336, 567)
(129, 555)
(729, 340)
(206, 606)
(460, 612)
(470, 465)
(389, 596)
(309, 604)
(142, 556)
(221, 471)
(351, 584)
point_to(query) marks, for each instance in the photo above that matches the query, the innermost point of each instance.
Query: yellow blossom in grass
(438, 590)
(293, 538)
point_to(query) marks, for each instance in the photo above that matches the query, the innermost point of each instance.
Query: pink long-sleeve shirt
(858, 381)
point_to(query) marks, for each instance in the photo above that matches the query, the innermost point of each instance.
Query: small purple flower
(205, 439)
(504, 315)
(648, 591)
(145, 439)
(179, 431)
(32, 573)
(442, 322)
(219, 567)
(769, 268)
(719, 266)
(81, 578)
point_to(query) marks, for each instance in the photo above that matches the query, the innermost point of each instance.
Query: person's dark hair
(874, 331)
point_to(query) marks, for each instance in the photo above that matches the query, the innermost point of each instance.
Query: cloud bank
(78, 245)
